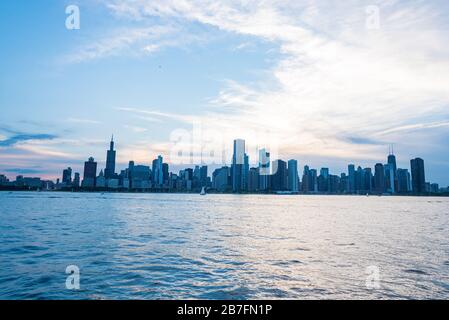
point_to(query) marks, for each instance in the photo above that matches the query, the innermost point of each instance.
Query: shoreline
(121, 191)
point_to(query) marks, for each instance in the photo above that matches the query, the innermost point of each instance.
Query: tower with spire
(109, 172)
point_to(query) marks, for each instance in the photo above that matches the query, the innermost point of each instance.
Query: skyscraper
(90, 173)
(379, 178)
(418, 175)
(293, 179)
(109, 172)
(351, 178)
(404, 184)
(158, 173)
(67, 176)
(238, 166)
(264, 169)
(280, 175)
(394, 170)
(253, 180)
(390, 178)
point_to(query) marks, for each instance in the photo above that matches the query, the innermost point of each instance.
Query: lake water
(173, 246)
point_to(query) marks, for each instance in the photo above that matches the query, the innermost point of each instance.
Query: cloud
(333, 74)
(24, 137)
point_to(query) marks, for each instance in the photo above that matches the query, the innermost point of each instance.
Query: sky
(325, 82)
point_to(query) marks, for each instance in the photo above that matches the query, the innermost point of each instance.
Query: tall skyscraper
(390, 178)
(90, 173)
(379, 178)
(280, 176)
(253, 180)
(264, 169)
(76, 180)
(109, 172)
(351, 177)
(418, 175)
(158, 172)
(404, 183)
(293, 178)
(67, 176)
(394, 169)
(239, 161)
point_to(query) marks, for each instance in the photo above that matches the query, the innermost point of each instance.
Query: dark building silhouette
(379, 178)
(67, 176)
(418, 175)
(404, 184)
(279, 177)
(109, 172)
(90, 173)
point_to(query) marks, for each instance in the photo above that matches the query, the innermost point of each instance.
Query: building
(221, 179)
(390, 178)
(404, 183)
(279, 176)
(158, 172)
(109, 172)
(418, 175)
(264, 170)
(253, 180)
(379, 179)
(76, 180)
(139, 176)
(293, 178)
(240, 167)
(3, 180)
(323, 180)
(90, 173)
(67, 176)
(101, 180)
(351, 178)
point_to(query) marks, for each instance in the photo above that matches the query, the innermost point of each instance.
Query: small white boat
(203, 191)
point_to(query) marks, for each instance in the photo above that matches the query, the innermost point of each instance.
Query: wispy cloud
(333, 74)
(24, 137)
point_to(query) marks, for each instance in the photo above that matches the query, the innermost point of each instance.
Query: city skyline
(326, 82)
(268, 176)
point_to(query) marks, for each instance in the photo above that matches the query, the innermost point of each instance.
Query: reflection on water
(170, 246)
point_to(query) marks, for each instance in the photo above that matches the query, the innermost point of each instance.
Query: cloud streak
(333, 75)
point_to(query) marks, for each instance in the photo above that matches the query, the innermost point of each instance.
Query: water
(173, 246)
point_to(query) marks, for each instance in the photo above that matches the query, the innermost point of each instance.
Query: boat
(203, 191)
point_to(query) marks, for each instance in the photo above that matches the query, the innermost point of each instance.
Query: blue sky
(316, 79)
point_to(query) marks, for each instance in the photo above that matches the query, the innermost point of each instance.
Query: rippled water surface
(164, 246)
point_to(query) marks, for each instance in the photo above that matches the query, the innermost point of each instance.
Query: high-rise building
(379, 178)
(90, 173)
(404, 184)
(323, 180)
(418, 175)
(264, 169)
(280, 176)
(253, 180)
(76, 180)
(305, 186)
(221, 179)
(367, 180)
(293, 179)
(204, 181)
(351, 178)
(239, 162)
(158, 172)
(109, 172)
(67, 176)
(390, 178)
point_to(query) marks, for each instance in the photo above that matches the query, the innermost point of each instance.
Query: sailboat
(203, 191)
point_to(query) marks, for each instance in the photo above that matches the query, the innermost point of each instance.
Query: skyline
(321, 82)
(269, 175)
